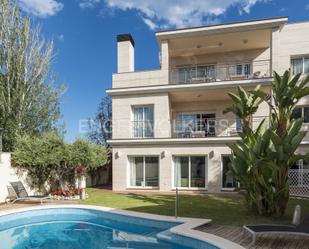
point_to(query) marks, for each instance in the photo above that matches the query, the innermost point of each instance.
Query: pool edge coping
(185, 228)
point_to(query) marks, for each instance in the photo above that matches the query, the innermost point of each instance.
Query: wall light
(117, 155)
(211, 154)
(163, 154)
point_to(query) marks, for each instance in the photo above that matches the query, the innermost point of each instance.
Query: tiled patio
(263, 242)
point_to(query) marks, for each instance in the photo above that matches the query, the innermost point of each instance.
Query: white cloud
(178, 13)
(88, 3)
(247, 5)
(60, 37)
(41, 8)
(149, 23)
(307, 7)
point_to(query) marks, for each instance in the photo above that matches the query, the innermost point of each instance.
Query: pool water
(72, 228)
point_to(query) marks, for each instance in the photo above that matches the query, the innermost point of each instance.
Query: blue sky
(85, 32)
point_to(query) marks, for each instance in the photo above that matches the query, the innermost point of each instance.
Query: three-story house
(169, 129)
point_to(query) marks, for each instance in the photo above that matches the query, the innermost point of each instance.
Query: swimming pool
(81, 227)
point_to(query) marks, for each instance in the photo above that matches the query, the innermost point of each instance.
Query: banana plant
(250, 167)
(287, 90)
(284, 155)
(261, 160)
(245, 104)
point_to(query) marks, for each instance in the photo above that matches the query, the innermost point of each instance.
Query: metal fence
(299, 182)
(201, 73)
(199, 126)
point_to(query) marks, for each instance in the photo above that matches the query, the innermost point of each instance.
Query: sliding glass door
(193, 124)
(228, 182)
(144, 171)
(190, 171)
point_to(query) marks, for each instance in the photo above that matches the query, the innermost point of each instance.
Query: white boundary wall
(7, 175)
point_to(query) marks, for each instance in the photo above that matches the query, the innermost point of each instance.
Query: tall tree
(100, 128)
(29, 95)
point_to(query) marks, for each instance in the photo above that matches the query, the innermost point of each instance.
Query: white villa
(169, 129)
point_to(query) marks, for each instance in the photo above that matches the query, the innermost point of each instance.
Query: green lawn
(227, 210)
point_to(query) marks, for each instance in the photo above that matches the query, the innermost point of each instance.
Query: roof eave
(222, 28)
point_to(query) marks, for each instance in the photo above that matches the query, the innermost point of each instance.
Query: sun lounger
(301, 230)
(22, 194)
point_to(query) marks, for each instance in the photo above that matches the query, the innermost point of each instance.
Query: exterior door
(228, 182)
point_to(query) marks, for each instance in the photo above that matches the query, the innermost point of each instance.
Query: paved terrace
(232, 233)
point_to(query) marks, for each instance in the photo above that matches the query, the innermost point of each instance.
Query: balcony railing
(195, 128)
(216, 72)
(211, 127)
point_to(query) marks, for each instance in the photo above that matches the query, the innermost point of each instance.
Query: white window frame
(132, 120)
(189, 176)
(232, 69)
(144, 172)
(303, 62)
(243, 65)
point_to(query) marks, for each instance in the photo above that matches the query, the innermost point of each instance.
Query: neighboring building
(169, 129)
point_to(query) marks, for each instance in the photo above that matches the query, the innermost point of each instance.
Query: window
(297, 113)
(300, 65)
(190, 171)
(228, 181)
(240, 70)
(199, 73)
(301, 112)
(238, 124)
(143, 121)
(188, 124)
(305, 164)
(306, 114)
(302, 164)
(144, 171)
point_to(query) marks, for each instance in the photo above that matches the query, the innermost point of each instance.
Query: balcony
(186, 131)
(204, 73)
(211, 127)
(195, 127)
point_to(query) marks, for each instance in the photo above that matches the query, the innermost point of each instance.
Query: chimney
(125, 56)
